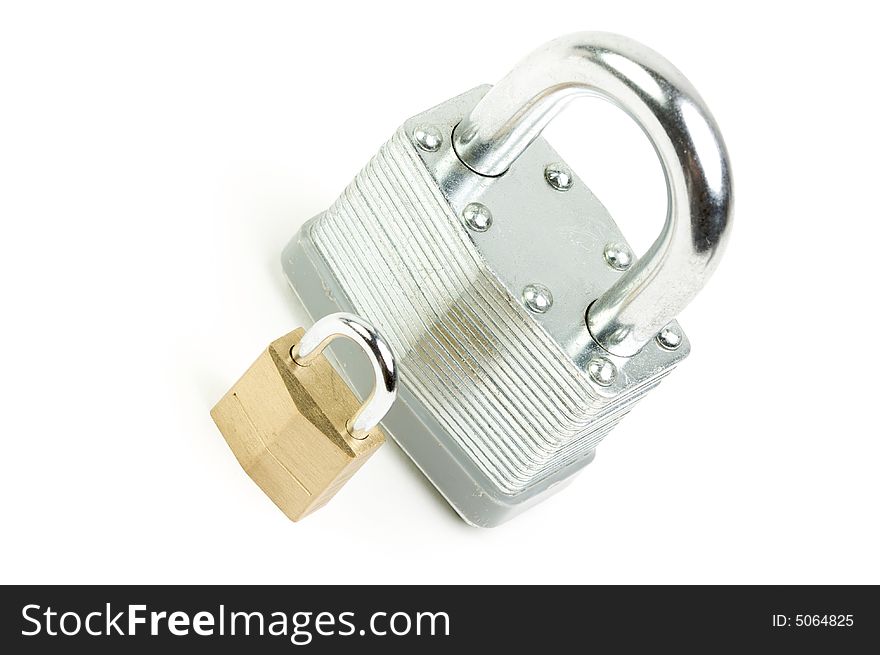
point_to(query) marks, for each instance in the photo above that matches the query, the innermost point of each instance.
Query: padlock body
(286, 425)
(495, 405)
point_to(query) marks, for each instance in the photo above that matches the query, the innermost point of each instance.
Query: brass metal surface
(286, 425)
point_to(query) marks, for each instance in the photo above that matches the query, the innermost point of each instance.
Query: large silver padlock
(523, 327)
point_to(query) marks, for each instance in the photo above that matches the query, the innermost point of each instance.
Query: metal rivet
(669, 338)
(602, 371)
(477, 217)
(618, 256)
(559, 176)
(428, 138)
(537, 298)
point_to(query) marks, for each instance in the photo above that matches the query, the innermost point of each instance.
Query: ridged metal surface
(510, 397)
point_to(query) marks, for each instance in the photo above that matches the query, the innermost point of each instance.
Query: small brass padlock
(288, 420)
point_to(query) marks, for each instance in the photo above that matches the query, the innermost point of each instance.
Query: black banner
(328, 619)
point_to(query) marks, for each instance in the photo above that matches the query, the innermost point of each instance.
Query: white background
(154, 159)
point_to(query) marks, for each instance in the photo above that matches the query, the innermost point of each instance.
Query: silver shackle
(684, 135)
(352, 327)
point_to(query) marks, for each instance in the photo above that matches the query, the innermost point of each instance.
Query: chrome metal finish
(477, 217)
(559, 176)
(669, 338)
(618, 256)
(500, 405)
(565, 253)
(684, 134)
(602, 371)
(352, 327)
(496, 405)
(428, 138)
(537, 298)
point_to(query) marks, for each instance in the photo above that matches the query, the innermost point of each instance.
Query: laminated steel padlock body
(485, 307)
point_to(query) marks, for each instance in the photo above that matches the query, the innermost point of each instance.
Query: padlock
(293, 423)
(523, 324)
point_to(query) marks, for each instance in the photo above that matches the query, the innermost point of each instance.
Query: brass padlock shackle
(384, 392)
(684, 134)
